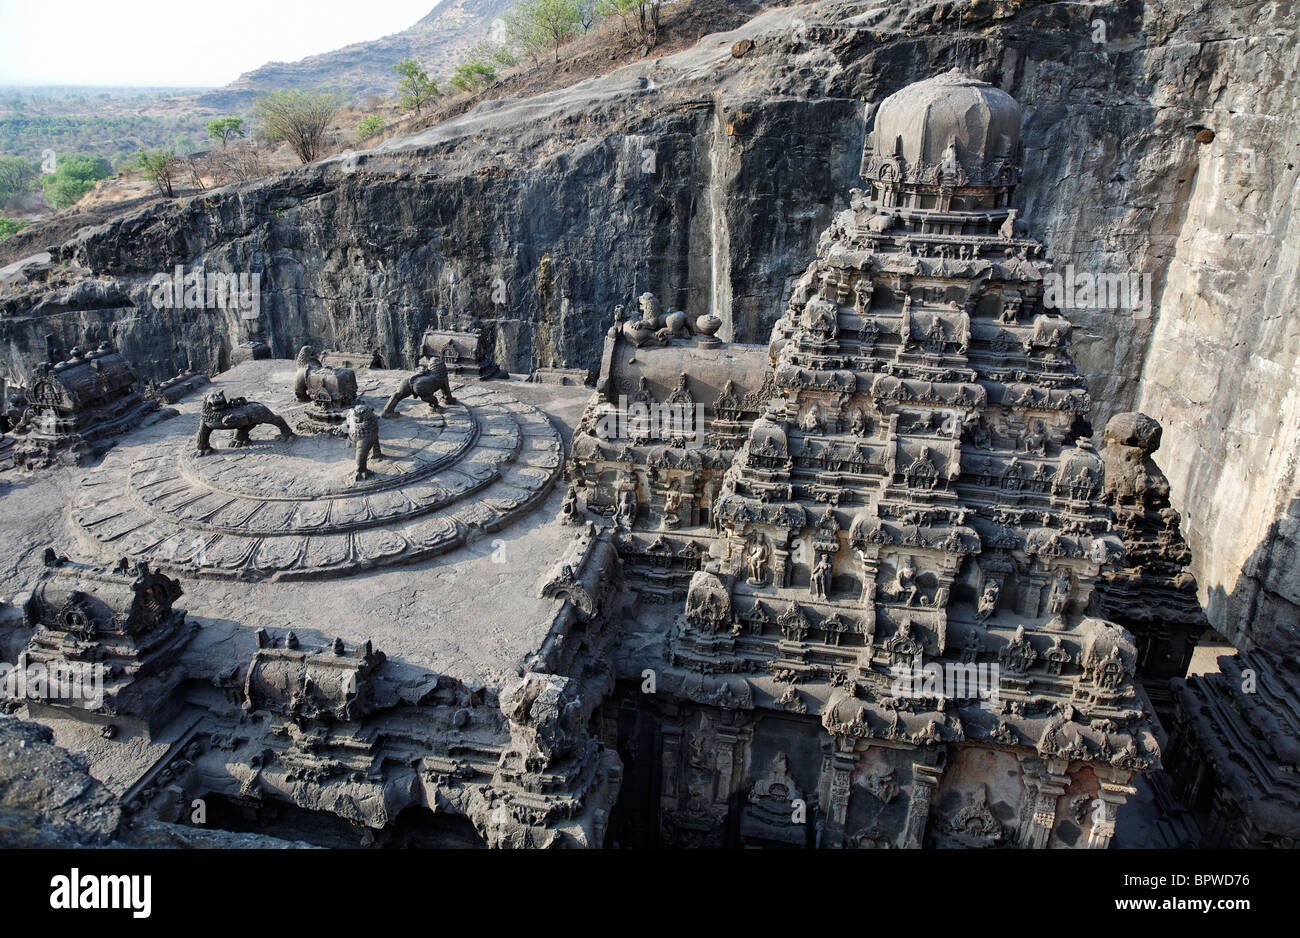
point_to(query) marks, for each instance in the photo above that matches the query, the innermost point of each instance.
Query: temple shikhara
(915, 491)
(879, 583)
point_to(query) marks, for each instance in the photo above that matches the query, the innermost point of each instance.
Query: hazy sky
(180, 42)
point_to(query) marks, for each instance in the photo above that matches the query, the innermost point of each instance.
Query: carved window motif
(681, 394)
(1056, 657)
(76, 618)
(1019, 655)
(727, 405)
(902, 648)
(794, 623)
(1110, 672)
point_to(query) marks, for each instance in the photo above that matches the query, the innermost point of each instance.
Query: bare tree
(195, 166)
(644, 13)
(238, 164)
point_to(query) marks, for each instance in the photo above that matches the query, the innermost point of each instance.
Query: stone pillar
(690, 511)
(671, 730)
(925, 782)
(1032, 595)
(1044, 793)
(780, 565)
(839, 769)
(724, 784)
(1112, 796)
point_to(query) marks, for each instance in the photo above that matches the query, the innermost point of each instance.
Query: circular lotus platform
(293, 509)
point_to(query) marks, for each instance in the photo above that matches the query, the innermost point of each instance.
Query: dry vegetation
(609, 44)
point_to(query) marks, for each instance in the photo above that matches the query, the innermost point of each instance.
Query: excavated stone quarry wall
(1164, 141)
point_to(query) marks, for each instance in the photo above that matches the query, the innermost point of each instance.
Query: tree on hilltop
(225, 128)
(534, 25)
(416, 89)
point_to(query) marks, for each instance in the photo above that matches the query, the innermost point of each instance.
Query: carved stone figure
(906, 582)
(708, 606)
(362, 428)
(756, 561)
(1035, 440)
(1008, 229)
(883, 784)
(626, 507)
(569, 510)
(331, 388)
(1062, 587)
(426, 384)
(240, 415)
(988, 601)
(672, 507)
(961, 328)
(820, 581)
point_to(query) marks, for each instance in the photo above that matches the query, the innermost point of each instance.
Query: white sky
(180, 42)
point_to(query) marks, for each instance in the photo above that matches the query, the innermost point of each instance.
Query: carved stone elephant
(329, 387)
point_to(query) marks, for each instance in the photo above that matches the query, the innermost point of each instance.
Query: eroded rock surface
(47, 796)
(706, 177)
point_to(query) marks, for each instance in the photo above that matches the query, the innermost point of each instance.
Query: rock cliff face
(1222, 365)
(1165, 142)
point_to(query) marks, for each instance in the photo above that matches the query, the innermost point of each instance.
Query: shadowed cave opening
(415, 827)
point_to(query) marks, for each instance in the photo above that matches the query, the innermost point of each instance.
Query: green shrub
(300, 118)
(73, 177)
(472, 76)
(370, 125)
(10, 226)
(16, 177)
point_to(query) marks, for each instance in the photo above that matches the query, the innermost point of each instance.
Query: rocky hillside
(438, 41)
(707, 176)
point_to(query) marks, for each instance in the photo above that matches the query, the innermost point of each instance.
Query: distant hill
(438, 41)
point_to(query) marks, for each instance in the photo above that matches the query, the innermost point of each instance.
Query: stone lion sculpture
(362, 428)
(329, 387)
(240, 415)
(426, 384)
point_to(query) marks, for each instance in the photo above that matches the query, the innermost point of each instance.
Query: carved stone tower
(921, 497)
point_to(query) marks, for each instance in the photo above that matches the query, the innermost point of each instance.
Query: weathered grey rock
(1235, 745)
(733, 144)
(1152, 593)
(47, 797)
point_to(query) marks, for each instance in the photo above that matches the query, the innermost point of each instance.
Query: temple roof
(926, 116)
(84, 380)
